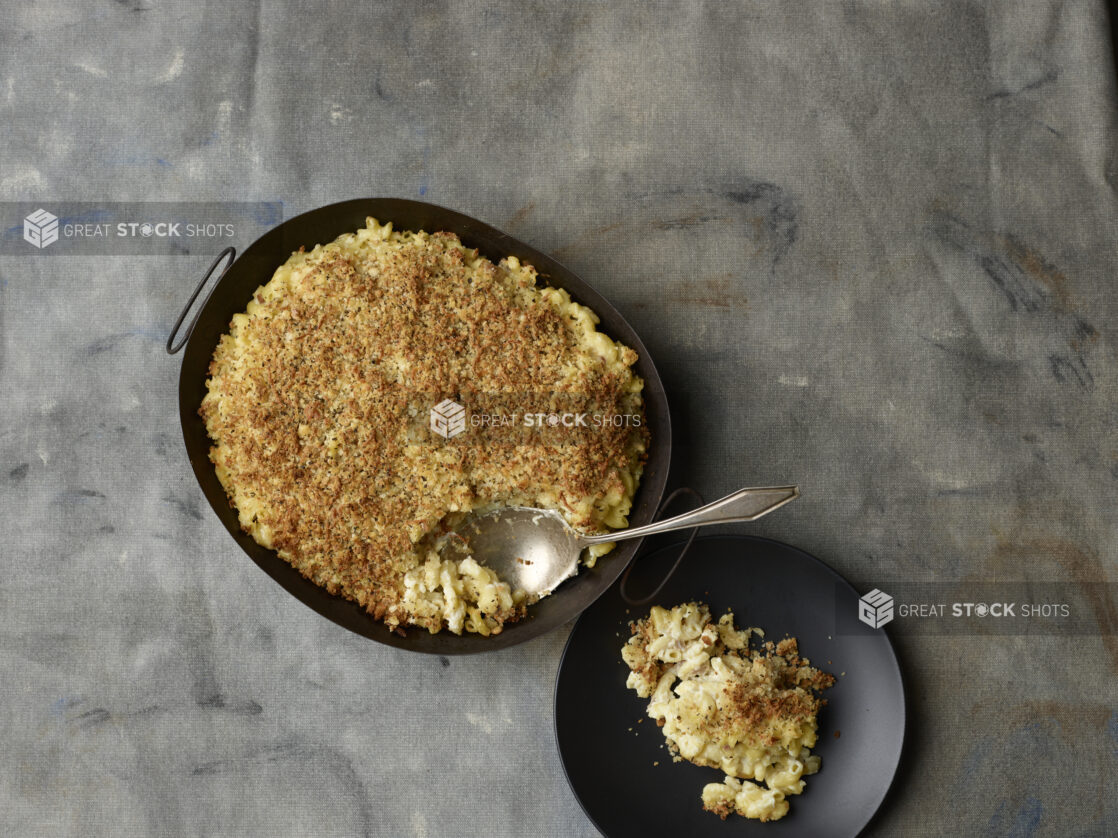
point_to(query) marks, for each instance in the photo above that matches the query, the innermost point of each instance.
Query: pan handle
(172, 347)
(624, 587)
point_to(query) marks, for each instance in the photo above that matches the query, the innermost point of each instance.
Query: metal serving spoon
(535, 549)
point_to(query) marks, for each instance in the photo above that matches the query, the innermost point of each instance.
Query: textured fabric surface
(869, 244)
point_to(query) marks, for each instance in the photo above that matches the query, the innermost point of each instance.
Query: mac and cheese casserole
(319, 401)
(751, 713)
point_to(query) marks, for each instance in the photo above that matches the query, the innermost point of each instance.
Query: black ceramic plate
(609, 755)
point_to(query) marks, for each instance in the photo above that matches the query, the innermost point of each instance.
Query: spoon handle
(742, 505)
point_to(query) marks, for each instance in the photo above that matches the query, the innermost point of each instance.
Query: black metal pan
(231, 294)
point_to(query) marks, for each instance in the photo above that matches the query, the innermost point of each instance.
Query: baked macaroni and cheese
(749, 713)
(318, 404)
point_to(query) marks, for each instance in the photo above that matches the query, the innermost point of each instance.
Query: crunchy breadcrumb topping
(318, 399)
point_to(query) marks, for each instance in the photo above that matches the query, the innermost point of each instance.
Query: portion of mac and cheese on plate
(320, 400)
(750, 713)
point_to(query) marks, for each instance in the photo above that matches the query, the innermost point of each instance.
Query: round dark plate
(256, 266)
(609, 754)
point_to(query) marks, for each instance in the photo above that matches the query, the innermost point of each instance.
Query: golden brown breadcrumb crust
(785, 693)
(318, 403)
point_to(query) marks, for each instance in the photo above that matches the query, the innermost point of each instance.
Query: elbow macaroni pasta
(463, 594)
(751, 714)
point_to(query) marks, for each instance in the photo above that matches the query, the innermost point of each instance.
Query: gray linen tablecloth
(869, 244)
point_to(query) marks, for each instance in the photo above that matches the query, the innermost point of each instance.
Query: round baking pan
(255, 267)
